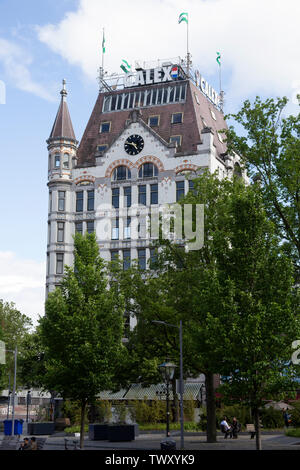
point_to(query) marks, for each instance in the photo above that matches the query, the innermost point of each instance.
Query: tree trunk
(211, 433)
(82, 422)
(257, 428)
(175, 402)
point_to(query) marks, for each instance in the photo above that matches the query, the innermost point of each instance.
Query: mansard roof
(198, 114)
(62, 127)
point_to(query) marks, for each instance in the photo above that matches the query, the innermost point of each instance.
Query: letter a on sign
(2, 352)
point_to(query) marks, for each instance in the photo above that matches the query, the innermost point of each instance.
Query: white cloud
(16, 64)
(22, 281)
(259, 40)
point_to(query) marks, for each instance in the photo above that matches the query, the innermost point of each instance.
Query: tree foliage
(82, 328)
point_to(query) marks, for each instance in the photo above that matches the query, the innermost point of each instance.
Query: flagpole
(187, 48)
(102, 53)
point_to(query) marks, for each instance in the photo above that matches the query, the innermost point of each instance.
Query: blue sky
(44, 41)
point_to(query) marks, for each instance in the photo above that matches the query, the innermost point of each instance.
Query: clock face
(134, 144)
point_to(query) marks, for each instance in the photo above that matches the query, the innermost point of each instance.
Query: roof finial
(64, 91)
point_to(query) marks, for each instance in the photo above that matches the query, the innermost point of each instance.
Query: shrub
(271, 418)
(189, 409)
(121, 412)
(103, 411)
(71, 409)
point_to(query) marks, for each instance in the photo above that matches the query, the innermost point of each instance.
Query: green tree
(15, 327)
(265, 318)
(270, 148)
(82, 329)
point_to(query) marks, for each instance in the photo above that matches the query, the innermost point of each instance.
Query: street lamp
(168, 369)
(181, 376)
(28, 402)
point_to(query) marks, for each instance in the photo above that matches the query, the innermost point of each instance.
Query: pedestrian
(236, 427)
(33, 444)
(225, 428)
(286, 417)
(25, 444)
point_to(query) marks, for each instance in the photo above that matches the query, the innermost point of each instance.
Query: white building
(144, 143)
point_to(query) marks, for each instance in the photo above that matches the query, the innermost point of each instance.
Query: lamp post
(28, 402)
(168, 369)
(181, 391)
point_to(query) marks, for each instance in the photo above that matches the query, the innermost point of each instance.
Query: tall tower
(62, 147)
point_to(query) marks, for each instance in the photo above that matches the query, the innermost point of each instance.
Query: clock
(134, 144)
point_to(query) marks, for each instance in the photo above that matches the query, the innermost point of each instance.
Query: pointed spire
(62, 127)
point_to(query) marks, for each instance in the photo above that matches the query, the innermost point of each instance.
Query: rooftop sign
(163, 74)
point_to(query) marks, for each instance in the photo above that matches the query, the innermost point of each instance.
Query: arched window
(57, 161)
(121, 173)
(148, 170)
(66, 160)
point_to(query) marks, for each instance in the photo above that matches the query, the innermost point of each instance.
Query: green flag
(218, 59)
(125, 66)
(2, 352)
(183, 17)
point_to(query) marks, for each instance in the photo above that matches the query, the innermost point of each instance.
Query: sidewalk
(151, 441)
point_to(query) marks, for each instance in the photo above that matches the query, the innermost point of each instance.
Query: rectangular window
(127, 223)
(57, 161)
(153, 257)
(126, 259)
(142, 195)
(90, 201)
(127, 196)
(176, 139)
(78, 227)
(115, 192)
(191, 186)
(114, 255)
(104, 127)
(101, 148)
(153, 121)
(50, 201)
(115, 229)
(90, 226)
(179, 190)
(59, 263)
(60, 232)
(154, 194)
(142, 258)
(176, 118)
(79, 201)
(61, 200)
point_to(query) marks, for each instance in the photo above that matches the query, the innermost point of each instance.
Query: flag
(183, 17)
(174, 72)
(218, 59)
(125, 66)
(103, 44)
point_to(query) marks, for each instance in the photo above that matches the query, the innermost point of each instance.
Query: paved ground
(192, 442)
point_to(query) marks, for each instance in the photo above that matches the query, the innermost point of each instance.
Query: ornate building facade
(142, 147)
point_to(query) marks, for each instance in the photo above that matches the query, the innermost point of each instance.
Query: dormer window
(101, 148)
(105, 127)
(176, 139)
(177, 118)
(153, 121)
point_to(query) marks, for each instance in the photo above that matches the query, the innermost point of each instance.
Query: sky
(44, 41)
